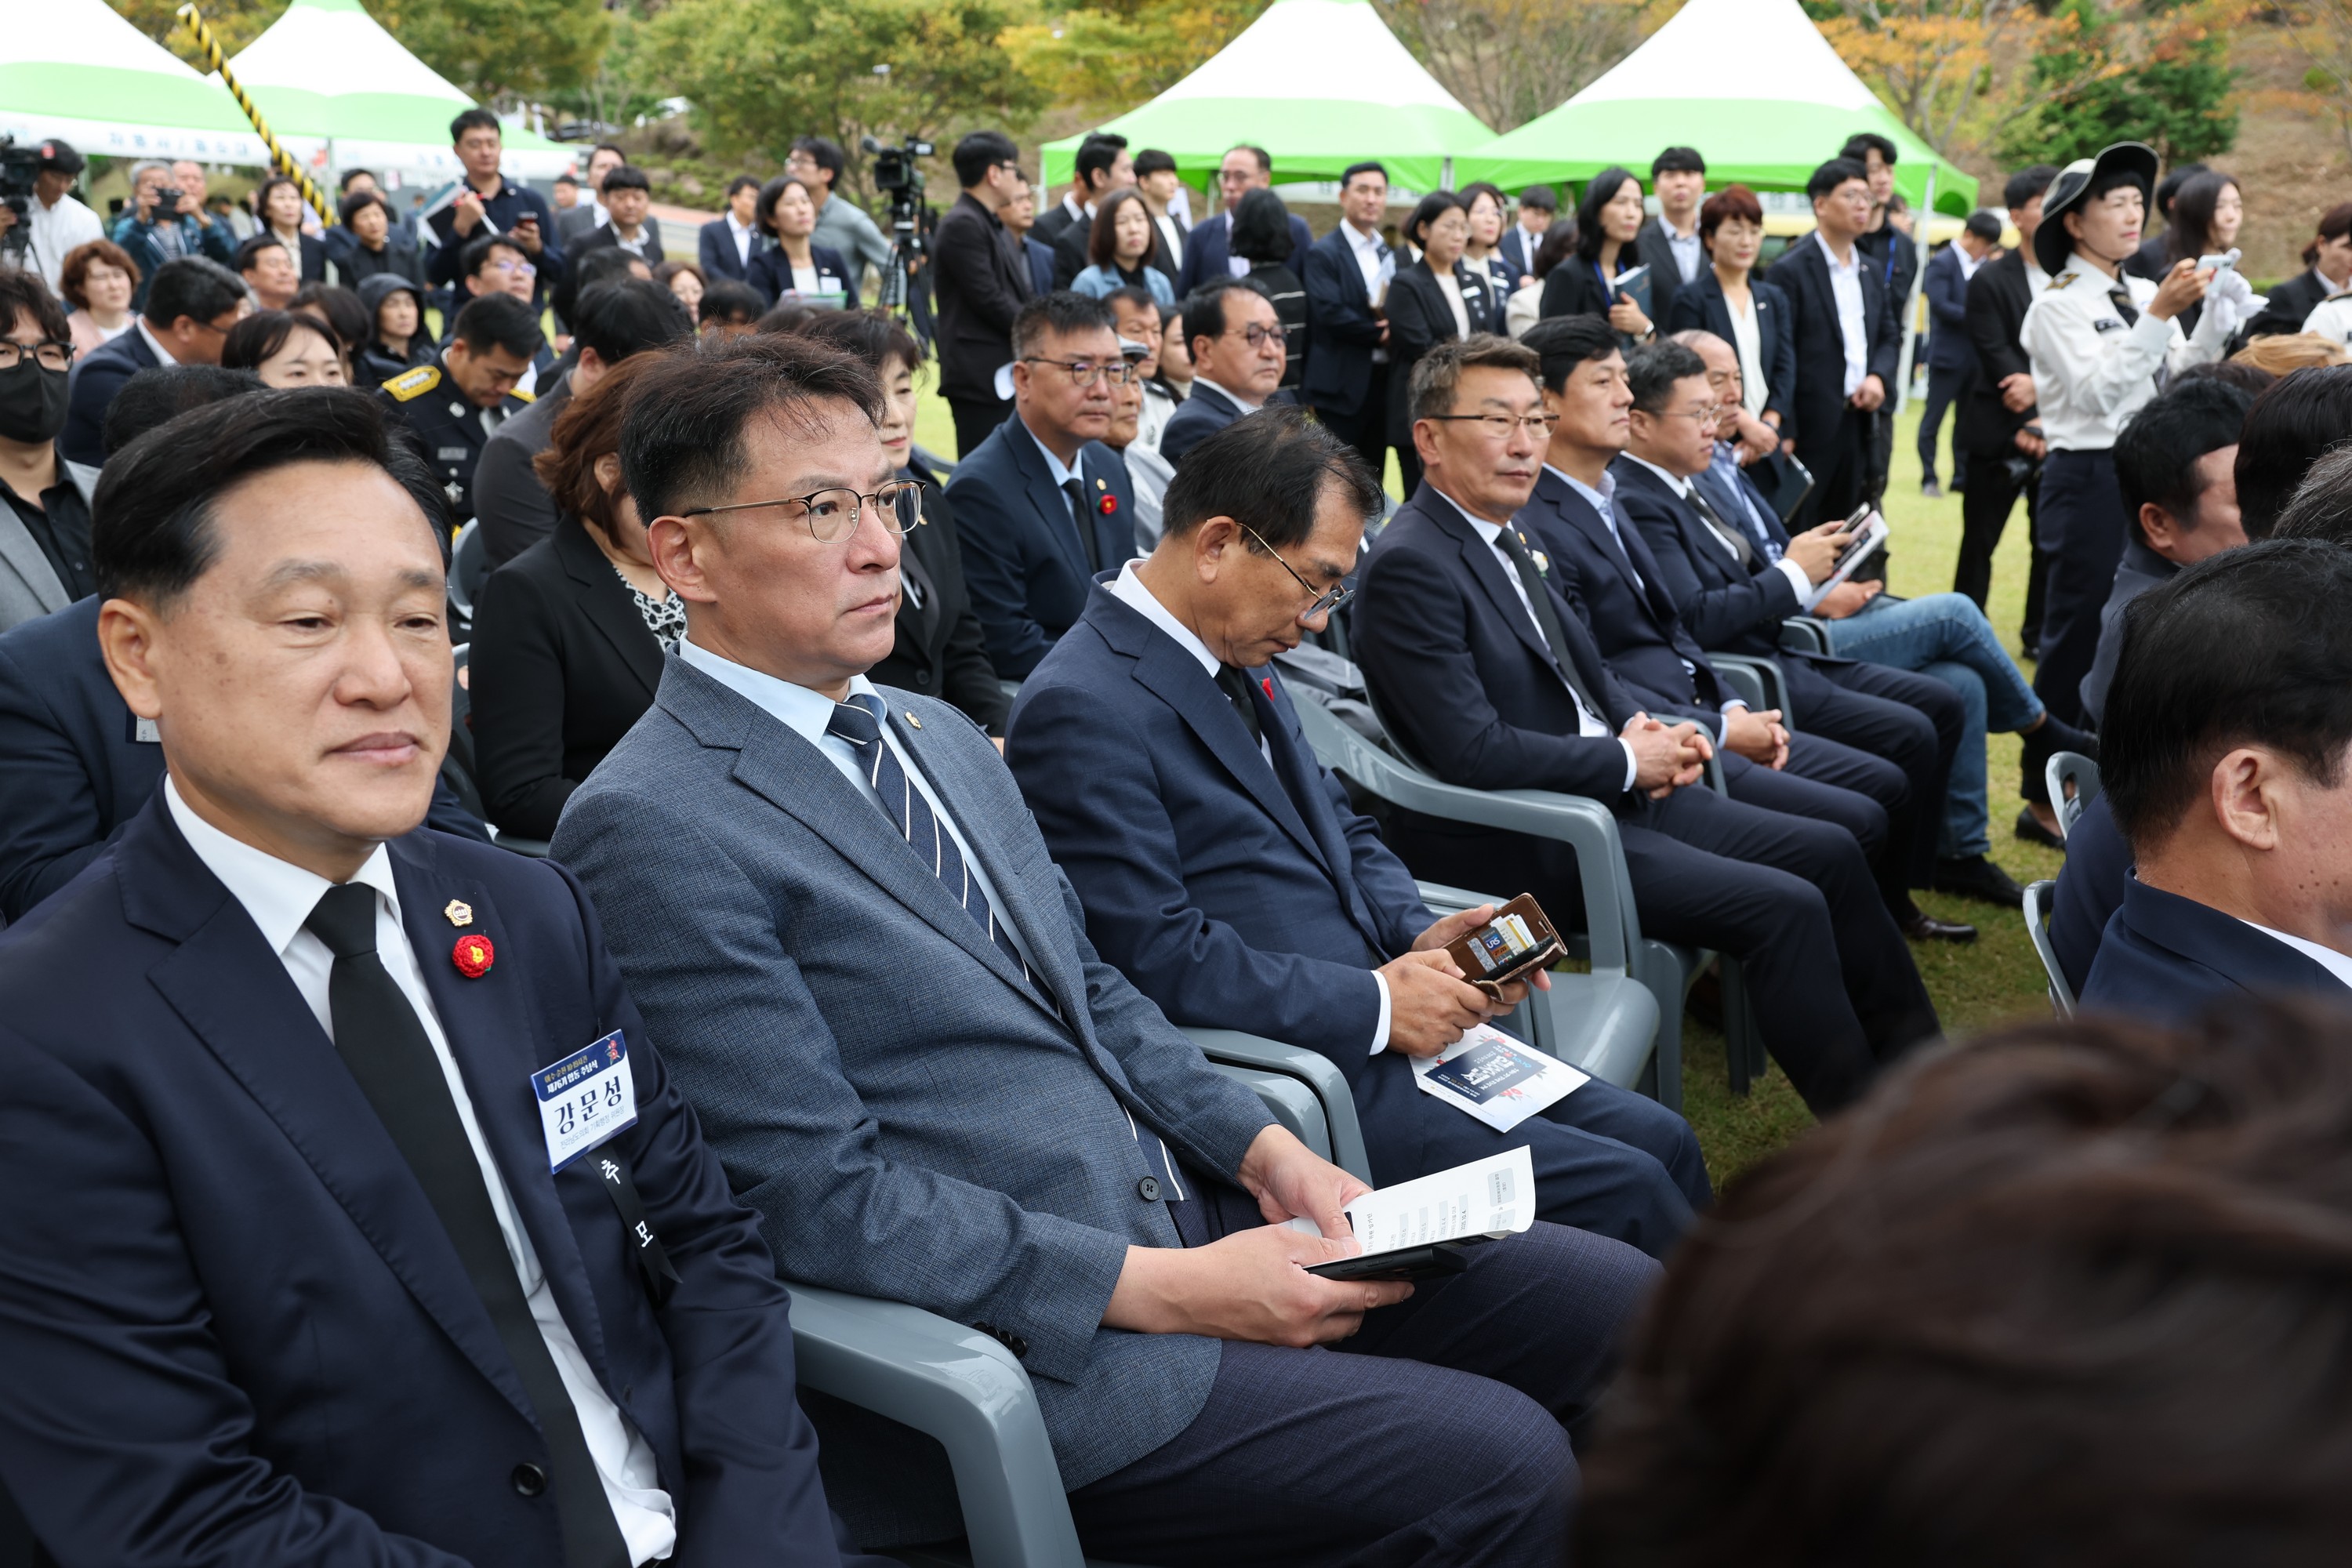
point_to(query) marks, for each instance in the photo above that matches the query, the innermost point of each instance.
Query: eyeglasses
(1256, 334)
(499, 264)
(1087, 372)
(1326, 599)
(832, 515)
(1706, 414)
(1498, 426)
(48, 355)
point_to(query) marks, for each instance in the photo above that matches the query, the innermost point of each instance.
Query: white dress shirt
(154, 344)
(1689, 254)
(1378, 264)
(1748, 341)
(2327, 958)
(1589, 725)
(278, 897)
(1166, 224)
(745, 237)
(1129, 589)
(1854, 316)
(1451, 287)
(1248, 404)
(1786, 567)
(1237, 265)
(55, 232)
(2093, 370)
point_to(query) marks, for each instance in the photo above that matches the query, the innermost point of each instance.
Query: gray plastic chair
(470, 563)
(1757, 682)
(2074, 781)
(968, 1393)
(1804, 633)
(2037, 927)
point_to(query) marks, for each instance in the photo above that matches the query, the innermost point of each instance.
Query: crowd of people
(829, 853)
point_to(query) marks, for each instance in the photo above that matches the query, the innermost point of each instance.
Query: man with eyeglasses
(45, 527)
(1222, 867)
(1488, 676)
(1043, 506)
(1208, 253)
(191, 303)
(979, 281)
(1238, 358)
(853, 950)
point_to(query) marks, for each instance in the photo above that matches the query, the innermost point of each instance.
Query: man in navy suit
(1486, 676)
(1538, 209)
(729, 242)
(1346, 278)
(1238, 357)
(1951, 355)
(1847, 345)
(1208, 253)
(1043, 505)
(1733, 601)
(2224, 755)
(192, 303)
(288, 1279)
(1224, 873)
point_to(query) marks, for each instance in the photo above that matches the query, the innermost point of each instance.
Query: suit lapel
(1052, 503)
(1488, 572)
(606, 600)
(20, 554)
(1303, 782)
(1171, 674)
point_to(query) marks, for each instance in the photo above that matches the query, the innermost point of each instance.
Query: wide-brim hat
(2051, 244)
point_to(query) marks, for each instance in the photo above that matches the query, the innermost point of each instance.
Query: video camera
(897, 175)
(19, 167)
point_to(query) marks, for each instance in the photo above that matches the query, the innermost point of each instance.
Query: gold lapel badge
(917, 723)
(460, 913)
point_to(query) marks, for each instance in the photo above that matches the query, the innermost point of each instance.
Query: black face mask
(32, 402)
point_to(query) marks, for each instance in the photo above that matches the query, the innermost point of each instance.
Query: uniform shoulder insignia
(2061, 282)
(414, 383)
(520, 395)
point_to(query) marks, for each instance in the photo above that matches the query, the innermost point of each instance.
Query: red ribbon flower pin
(1109, 505)
(473, 955)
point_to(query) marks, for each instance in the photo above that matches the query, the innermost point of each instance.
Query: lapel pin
(1102, 484)
(1109, 505)
(917, 723)
(460, 912)
(1266, 684)
(473, 955)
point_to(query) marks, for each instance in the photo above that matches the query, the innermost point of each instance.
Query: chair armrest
(1445, 901)
(1231, 1047)
(1805, 634)
(1752, 680)
(536, 848)
(2037, 903)
(960, 1387)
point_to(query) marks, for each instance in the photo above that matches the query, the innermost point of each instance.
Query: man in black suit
(1103, 166)
(1951, 358)
(487, 202)
(1156, 177)
(1668, 244)
(2223, 761)
(1020, 219)
(1234, 337)
(628, 222)
(1346, 278)
(727, 243)
(979, 282)
(1043, 507)
(1208, 253)
(1538, 207)
(1485, 675)
(1995, 430)
(1846, 343)
(2328, 272)
(191, 303)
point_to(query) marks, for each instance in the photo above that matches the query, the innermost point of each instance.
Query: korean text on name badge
(585, 1099)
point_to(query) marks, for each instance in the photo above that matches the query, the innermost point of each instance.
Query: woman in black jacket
(398, 339)
(1744, 310)
(794, 267)
(1608, 222)
(1261, 237)
(569, 636)
(374, 248)
(1436, 297)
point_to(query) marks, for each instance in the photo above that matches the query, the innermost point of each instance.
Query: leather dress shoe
(2029, 829)
(1921, 926)
(1976, 877)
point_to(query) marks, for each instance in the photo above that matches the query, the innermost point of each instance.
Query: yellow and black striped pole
(280, 159)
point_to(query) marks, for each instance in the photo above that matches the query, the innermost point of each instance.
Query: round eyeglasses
(832, 515)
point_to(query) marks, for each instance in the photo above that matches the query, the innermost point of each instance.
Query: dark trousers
(1832, 980)
(975, 421)
(1367, 429)
(1992, 493)
(1839, 460)
(1911, 723)
(1945, 388)
(1432, 1437)
(2081, 524)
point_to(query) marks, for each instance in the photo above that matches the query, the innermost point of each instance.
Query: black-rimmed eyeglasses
(1087, 372)
(1326, 599)
(48, 355)
(832, 515)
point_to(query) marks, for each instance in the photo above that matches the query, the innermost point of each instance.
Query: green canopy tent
(341, 92)
(1751, 84)
(1320, 84)
(75, 70)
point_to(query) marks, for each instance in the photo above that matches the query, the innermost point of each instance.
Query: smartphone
(1518, 940)
(2220, 263)
(1428, 1262)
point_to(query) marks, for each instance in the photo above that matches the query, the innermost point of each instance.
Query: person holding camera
(56, 224)
(167, 221)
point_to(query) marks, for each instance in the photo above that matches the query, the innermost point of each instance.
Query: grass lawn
(1992, 981)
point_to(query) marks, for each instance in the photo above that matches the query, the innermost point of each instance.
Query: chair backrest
(2074, 781)
(2037, 927)
(469, 563)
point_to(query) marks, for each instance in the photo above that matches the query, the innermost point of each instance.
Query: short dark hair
(2027, 183)
(727, 300)
(1990, 1317)
(586, 273)
(2288, 427)
(474, 120)
(588, 428)
(1652, 369)
(499, 321)
(1203, 308)
(785, 316)
(874, 337)
(23, 291)
(1678, 161)
(2110, 178)
(1733, 201)
(1368, 167)
(2322, 507)
(248, 250)
(1564, 343)
(682, 442)
(1261, 229)
(763, 217)
(1062, 312)
(358, 202)
(979, 153)
(2167, 189)
(1599, 192)
(195, 287)
(566, 178)
(343, 308)
(1428, 210)
(152, 518)
(1269, 471)
(627, 177)
(2334, 224)
(2158, 451)
(1559, 244)
(824, 153)
(1487, 188)
(1543, 198)
(613, 147)
(629, 317)
(265, 333)
(1984, 225)
(2250, 379)
(1265, 159)
(1438, 374)
(1102, 232)
(741, 183)
(1826, 180)
(2250, 645)
(1129, 294)
(1096, 155)
(1862, 143)
(343, 181)
(478, 251)
(164, 392)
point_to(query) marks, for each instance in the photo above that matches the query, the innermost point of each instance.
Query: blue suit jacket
(2171, 958)
(1341, 331)
(1041, 264)
(1198, 417)
(1700, 304)
(77, 774)
(1462, 675)
(1207, 251)
(1723, 606)
(716, 245)
(275, 1356)
(1947, 288)
(2090, 889)
(1021, 559)
(96, 377)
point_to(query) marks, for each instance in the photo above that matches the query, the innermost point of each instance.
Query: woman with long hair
(1608, 221)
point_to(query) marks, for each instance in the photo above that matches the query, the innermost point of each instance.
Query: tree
(236, 23)
(2322, 31)
(1118, 54)
(760, 72)
(510, 50)
(2152, 73)
(1937, 64)
(1510, 60)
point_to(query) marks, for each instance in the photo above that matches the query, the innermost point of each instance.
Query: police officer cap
(2051, 244)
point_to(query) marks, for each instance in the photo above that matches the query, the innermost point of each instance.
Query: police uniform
(2332, 319)
(447, 428)
(2096, 356)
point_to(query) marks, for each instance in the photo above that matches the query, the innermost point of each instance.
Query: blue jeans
(1946, 635)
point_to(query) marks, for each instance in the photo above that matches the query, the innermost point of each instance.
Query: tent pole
(1445, 174)
(1918, 282)
(282, 160)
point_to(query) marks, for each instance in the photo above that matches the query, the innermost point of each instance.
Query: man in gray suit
(847, 939)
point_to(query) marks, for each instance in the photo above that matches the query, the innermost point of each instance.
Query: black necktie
(384, 1046)
(1237, 689)
(1735, 537)
(2120, 297)
(1547, 619)
(1075, 489)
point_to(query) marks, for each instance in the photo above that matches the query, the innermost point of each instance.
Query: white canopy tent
(75, 70)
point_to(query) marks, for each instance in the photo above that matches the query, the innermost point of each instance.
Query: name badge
(585, 1099)
(147, 732)
(2111, 324)
(454, 454)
